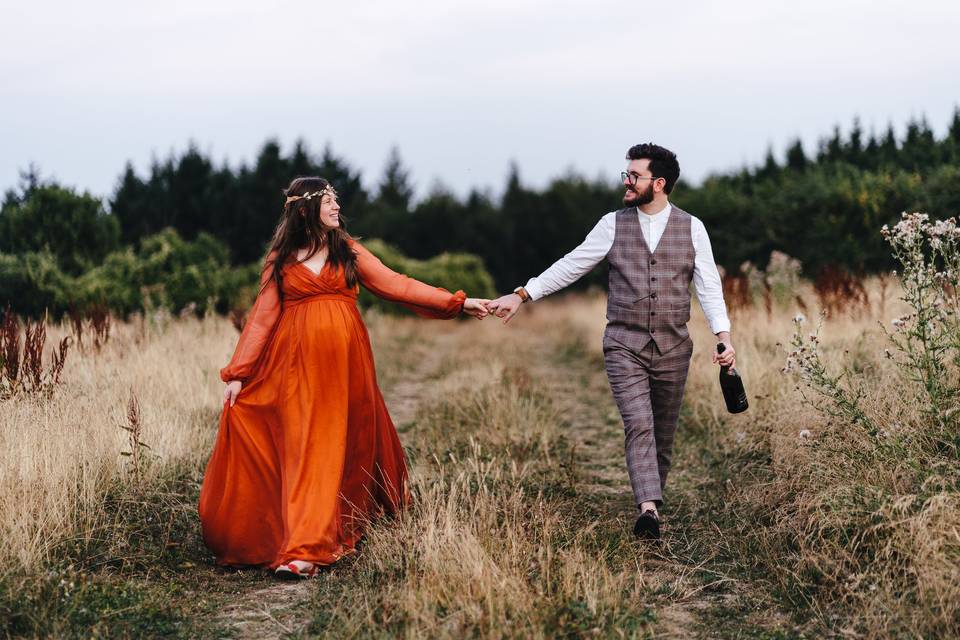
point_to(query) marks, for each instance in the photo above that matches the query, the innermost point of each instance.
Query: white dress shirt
(596, 246)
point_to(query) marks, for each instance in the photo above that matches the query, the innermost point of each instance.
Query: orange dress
(308, 454)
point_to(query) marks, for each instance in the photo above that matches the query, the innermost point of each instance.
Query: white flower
(799, 318)
(804, 434)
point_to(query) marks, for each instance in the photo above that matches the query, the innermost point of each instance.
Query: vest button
(653, 313)
(653, 278)
(653, 330)
(653, 261)
(653, 295)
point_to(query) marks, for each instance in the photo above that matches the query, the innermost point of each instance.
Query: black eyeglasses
(631, 177)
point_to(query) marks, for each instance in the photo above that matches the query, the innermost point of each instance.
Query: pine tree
(889, 150)
(871, 153)
(919, 150)
(395, 191)
(950, 145)
(853, 149)
(770, 167)
(796, 158)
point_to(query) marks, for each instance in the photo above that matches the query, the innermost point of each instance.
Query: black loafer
(647, 526)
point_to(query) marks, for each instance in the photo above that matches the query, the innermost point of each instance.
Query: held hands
(505, 306)
(476, 307)
(231, 392)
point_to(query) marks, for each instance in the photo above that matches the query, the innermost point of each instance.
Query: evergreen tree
(770, 168)
(919, 149)
(394, 191)
(871, 153)
(831, 149)
(853, 149)
(950, 146)
(796, 158)
(888, 148)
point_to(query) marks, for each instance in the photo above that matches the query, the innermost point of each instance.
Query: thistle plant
(928, 338)
(837, 396)
(925, 342)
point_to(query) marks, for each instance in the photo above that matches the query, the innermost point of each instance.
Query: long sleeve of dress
(422, 299)
(257, 331)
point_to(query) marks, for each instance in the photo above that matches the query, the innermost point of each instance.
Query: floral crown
(316, 194)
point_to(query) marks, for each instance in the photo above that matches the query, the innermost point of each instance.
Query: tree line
(824, 207)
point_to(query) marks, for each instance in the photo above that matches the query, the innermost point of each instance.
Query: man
(655, 250)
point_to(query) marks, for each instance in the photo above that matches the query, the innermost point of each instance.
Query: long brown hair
(300, 227)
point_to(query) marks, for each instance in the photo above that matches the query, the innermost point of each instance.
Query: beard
(639, 198)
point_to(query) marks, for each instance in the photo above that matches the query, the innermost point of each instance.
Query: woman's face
(329, 209)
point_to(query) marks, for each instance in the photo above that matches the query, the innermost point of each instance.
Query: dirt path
(691, 595)
(594, 424)
(688, 594)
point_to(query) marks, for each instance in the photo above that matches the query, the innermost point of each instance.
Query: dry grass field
(787, 521)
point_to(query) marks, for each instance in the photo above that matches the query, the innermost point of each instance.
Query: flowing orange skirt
(308, 454)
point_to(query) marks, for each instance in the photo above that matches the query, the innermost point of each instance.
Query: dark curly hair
(663, 162)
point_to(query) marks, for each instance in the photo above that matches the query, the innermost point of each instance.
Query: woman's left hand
(476, 307)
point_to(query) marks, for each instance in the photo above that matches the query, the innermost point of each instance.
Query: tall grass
(92, 474)
(59, 453)
(838, 488)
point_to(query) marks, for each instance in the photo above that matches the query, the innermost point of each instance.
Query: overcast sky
(462, 88)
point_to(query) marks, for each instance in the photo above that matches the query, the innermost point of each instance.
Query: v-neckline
(315, 274)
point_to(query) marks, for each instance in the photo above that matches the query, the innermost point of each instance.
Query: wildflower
(804, 434)
(739, 437)
(799, 318)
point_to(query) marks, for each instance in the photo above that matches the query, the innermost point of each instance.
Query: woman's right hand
(231, 392)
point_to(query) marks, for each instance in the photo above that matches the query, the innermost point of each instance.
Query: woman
(306, 453)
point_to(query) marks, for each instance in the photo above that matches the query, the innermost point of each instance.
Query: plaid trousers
(648, 388)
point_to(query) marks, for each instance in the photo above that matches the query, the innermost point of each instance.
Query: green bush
(33, 282)
(167, 271)
(75, 228)
(452, 271)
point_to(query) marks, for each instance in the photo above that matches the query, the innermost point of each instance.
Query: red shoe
(295, 570)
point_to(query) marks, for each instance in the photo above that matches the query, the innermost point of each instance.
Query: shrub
(47, 218)
(166, 272)
(33, 282)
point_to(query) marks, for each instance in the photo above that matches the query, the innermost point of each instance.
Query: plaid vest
(649, 296)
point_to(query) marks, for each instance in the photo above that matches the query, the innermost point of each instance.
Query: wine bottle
(732, 386)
